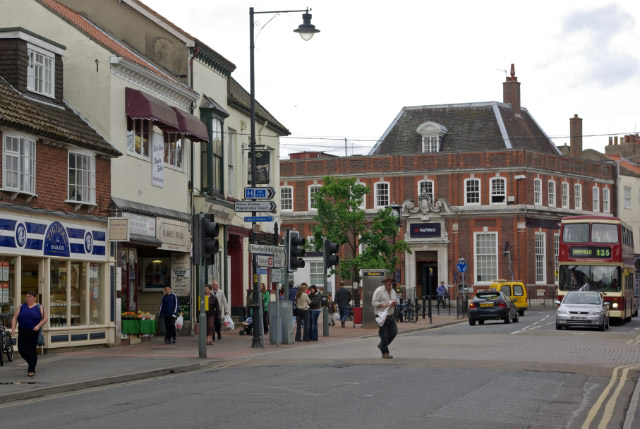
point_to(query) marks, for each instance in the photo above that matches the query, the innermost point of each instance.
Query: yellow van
(514, 290)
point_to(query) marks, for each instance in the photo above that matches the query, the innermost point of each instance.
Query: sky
(372, 58)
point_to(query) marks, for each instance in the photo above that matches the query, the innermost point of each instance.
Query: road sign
(462, 266)
(264, 260)
(258, 218)
(276, 275)
(279, 258)
(262, 270)
(255, 206)
(259, 193)
(455, 278)
(276, 252)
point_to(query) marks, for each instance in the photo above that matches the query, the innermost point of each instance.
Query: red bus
(596, 254)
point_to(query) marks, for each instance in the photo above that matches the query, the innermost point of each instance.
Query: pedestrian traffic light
(330, 254)
(294, 251)
(209, 245)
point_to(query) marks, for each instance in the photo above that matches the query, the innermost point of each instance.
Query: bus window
(576, 233)
(604, 233)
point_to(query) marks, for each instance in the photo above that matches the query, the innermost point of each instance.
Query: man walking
(169, 311)
(224, 308)
(343, 298)
(385, 297)
(441, 291)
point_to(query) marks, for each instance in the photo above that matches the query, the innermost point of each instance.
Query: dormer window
(432, 134)
(41, 71)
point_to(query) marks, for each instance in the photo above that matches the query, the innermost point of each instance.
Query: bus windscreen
(601, 278)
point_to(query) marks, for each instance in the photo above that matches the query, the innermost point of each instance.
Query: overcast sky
(373, 57)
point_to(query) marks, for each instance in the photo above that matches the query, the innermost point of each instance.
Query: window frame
(551, 193)
(491, 182)
(606, 200)
(21, 138)
(179, 142)
(32, 85)
(431, 142)
(577, 196)
(476, 266)
(466, 192)
(231, 166)
(376, 187)
(627, 197)
(543, 255)
(565, 194)
(363, 206)
(595, 199)
(91, 175)
(145, 129)
(537, 194)
(310, 196)
(427, 182)
(312, 275)
(282, 207)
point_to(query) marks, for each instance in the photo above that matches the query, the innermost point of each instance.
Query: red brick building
(479, 181)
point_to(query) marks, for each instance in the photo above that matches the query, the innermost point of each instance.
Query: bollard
(325, 322)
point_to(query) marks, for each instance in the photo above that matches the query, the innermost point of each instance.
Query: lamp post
(306, 31)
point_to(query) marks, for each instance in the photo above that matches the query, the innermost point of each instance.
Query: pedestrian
(440, 290)
(302, 307)
(223, 305)
(266, 297)
(384, 297)
(213, 314)
(331, 307)
(315, 307)
(30, 317)
(343, 298)
(293, 291)
(169, 310)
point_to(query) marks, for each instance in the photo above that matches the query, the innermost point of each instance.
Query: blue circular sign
(462, 266)
(21, 235)
(88, 243)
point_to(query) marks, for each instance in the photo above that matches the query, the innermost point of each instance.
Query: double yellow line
(619, 376)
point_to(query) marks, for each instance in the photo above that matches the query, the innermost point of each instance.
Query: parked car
(582, 309)
(515, 291)
(492, 305)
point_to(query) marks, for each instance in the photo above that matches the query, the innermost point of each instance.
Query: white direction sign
(264, 261)
(279, 258)
(276, 251)
(255, 206)
(276, 275)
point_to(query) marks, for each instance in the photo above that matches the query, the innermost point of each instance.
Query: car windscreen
(582, 298)
(488, 296)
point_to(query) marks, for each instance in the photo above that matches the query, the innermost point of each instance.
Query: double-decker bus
(596, 254)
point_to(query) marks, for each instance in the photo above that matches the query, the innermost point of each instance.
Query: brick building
(480, 181)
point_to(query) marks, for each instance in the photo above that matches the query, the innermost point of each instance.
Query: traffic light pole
(202, 317)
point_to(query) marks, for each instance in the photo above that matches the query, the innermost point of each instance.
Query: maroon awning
(192, 126)
(143, 106)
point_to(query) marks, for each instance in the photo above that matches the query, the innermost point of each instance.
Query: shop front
(66, 262)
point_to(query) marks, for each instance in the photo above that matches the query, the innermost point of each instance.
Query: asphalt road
(524, 375)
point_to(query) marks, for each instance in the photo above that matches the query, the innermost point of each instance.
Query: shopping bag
(40, 339)
(228, 325)
(336, 317)
(179, 322)
(382, 316)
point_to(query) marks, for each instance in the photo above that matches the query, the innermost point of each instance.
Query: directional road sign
(264, 260)
(258, 218)
(262, 271)
(462, 266)
(259, 193)
(276, 251)
(276, 275)
(255, 206)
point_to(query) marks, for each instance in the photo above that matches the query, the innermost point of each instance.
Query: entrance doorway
(427, 275)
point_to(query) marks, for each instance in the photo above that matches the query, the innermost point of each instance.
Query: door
(427, 276)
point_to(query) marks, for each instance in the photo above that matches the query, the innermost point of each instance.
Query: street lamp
(306, 31)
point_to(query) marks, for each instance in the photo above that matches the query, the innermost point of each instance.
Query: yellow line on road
(596, 407)
(608, 410)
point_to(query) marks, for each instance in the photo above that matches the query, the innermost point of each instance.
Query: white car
(582, 309)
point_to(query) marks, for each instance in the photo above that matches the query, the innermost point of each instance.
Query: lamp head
(306, 30)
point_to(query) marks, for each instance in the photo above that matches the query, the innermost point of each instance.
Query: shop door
(427, 279)
(130, 280)
(30, 277)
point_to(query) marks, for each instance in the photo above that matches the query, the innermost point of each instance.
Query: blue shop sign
(425, 230)
(56, 241)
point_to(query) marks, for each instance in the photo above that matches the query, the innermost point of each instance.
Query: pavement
(67, 370)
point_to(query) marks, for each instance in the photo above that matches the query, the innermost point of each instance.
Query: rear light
(472, 305)
(502, 304)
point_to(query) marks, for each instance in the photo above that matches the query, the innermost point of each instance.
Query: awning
(190, 125)
(143, 106)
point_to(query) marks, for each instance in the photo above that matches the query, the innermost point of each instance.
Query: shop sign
(118, 229)
(180, 273)
(222, 211)
(32, 236)
(157, 155)
(425, 230)
(184, 307)
(174, 235)
(141, 225)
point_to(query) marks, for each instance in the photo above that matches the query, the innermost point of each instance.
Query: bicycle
(6, 343)
(406, 312)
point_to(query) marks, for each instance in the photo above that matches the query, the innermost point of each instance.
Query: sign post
(462, 267)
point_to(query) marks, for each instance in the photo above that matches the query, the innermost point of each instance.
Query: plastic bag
(382, 316)
(179, 322)
(228, 325)
(336, 317)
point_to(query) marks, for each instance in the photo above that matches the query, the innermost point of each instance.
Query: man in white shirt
(385, 297)
(224, 308)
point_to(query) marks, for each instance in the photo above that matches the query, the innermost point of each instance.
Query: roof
(55, 122)
(628, 165)
(472, 127)
(238, 97)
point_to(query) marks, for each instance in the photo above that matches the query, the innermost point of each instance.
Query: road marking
(635, 341)
(596, 407)
(608, 411)
(532, 326)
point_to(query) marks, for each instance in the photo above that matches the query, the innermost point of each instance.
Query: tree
(341, 219)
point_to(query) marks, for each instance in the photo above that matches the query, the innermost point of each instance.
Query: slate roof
(55, 122)
(238, 97)
(472, 127)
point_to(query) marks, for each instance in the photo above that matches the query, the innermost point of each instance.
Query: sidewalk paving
(68, 370)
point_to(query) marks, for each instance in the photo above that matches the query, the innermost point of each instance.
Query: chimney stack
(575, 136)
(511, 91)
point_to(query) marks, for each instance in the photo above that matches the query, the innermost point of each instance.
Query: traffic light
(209, 245)
(294, 251)
(330, 253)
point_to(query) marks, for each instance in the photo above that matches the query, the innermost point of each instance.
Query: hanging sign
(157, 155)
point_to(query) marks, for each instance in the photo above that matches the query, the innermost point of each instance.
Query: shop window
(157, 274)
(7, 287)
(58, 276)
(78, 295)
(96, 295)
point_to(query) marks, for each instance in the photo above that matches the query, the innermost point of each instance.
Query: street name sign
(259, 193)
(258, 218)
(255, 206)
(264, 260)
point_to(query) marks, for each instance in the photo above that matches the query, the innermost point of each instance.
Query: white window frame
(466, 193)
(41, 71)
(232, 141)
(540, 257)
(565, 195)
(431, 144)
(556, 254)
(577, 196)
(537, 192)
(138, 128)
(314, 276)
(551, 193)
(504, 188)
(26, 167)
(282, 199)
(312, 191)
(476, 264)
(173, 160)
(606, 199)
(430, 195)
(595, 199)
(89, 175)
(376, 196)
(363, 206)
(627, 197)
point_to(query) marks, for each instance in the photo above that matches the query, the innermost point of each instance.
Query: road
(524, 375)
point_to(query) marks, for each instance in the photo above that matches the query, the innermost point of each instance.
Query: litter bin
(357, 316)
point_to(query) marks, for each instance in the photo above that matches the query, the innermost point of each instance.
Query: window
(216, 155)
(19, 164)
(82, 178)
(40, 72)
(577, 193)
(552, 193)
(486, 256)
(472, 191)
(565, 195)
(173, 149)
(556, 253)
(605, 200)
(540, 256)
(363, 206)
(316, 276)
(312, 192)
(286, 198)
(138, 136)
(576, 233)
(604, 233)
(596, 199)
(430, 144)
(425, 187)
(537, 192)
(231, 173)
(382, 194)
(498, 190)
(627, 197)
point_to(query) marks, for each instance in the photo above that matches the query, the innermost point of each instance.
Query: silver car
(583, 309)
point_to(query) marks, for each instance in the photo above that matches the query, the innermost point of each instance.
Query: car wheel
(507, 320)
(558, 327)
(521, 312)
(481, 322)
(602, 327)
(516, 318)
(472, 322)
(608, 324)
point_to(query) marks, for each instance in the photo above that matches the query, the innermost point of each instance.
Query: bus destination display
(589, 252)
